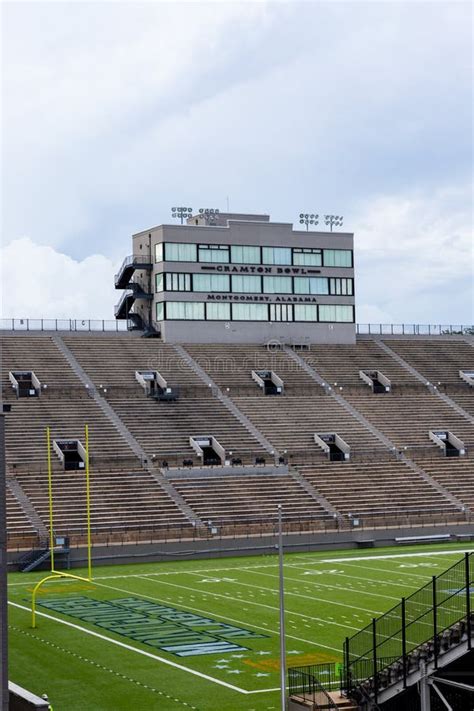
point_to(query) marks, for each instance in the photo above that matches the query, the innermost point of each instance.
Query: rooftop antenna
(181, 213)
(333, 221)
(308, 219)
(228, 204)
(210, 215)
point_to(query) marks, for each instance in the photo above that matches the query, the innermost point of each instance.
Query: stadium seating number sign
(183, 634)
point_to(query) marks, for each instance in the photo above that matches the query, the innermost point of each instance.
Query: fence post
(404, 643)
(374, 643)
(346, 673)
(468, 601)
(435, 623)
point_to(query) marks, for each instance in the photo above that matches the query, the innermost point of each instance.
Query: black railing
(377, 329)
(421, 627)
(304, 684)
(414, 329)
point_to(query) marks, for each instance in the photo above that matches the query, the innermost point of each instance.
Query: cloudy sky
(115, 111)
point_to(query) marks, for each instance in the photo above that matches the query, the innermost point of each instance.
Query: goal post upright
(53, 573)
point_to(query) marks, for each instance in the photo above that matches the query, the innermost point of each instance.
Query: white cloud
(39, 282)
(415, 257)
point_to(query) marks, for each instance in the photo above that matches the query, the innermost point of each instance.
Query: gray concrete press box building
(235, 278)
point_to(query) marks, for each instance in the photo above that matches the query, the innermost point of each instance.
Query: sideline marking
(297, 556)
(132, 649)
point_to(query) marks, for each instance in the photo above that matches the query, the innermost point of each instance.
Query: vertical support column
(374, 645)
(50, 497)
(3, 573)
(468, 601)
(435, 623)
(404, 643)
(282, 612)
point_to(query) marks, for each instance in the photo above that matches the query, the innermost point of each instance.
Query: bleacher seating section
(134, 500)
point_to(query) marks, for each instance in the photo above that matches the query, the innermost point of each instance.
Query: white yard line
(249, 602)
(133, 649)
(394, 572)
(393, 555)
(366, 580)
(288, 593)
(325, 585)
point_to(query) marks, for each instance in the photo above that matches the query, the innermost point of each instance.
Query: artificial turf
(217, 648)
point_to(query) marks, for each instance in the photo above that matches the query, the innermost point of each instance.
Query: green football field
(201, 634)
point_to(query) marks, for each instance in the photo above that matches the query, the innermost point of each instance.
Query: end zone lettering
(181, 633)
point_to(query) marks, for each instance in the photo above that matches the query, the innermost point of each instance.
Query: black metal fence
(420, 628)
(87, 324)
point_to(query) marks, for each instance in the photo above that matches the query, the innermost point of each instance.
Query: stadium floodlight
(181, 213)
(333, 221)
(210, 215)
(307, 218)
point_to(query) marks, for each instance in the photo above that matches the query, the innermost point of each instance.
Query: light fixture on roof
(333, 221)
(181, 213)
(308, 219)
(210, 215)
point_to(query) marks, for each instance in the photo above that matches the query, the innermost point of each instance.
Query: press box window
(276, 255)
(337, 258)
(281, 312)
(336, 313)
(214, 253)
(311, 285)
(178, 282)
(307, 257)
(242, 284)
(306, 312)
(277, 285)
(159, 282)
(185, 310)
(249, 312)
(159, 252)
(245, 255)
(180, 252)
(160, 311)
(211, 282)
(341, 287)
(218, 312)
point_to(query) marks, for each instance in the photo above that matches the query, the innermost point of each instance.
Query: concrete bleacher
(456, 474)
(438, 360)
(40, 354)
(26, 424)
(339, 365)
(18, 523)
(235, 499)
(163, 428)
(111, 361)
(290, 423)
(231, 367)
(129, 500)
(406, 419)
(120, 501)
(372, 489)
